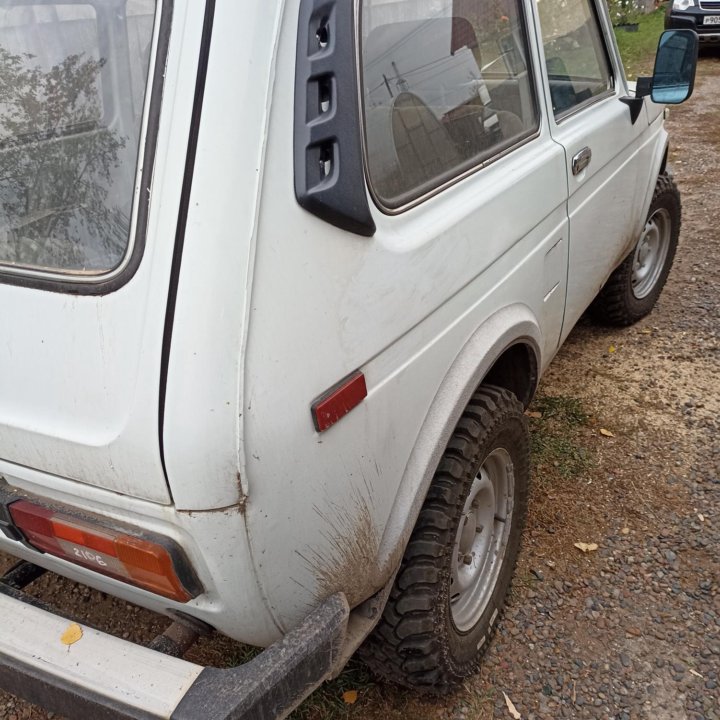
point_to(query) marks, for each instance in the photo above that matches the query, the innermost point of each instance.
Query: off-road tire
(617, 304)
(416, 643)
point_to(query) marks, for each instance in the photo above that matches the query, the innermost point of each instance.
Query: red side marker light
(339, 401)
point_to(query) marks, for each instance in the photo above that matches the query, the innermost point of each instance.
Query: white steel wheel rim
(651, 253)
(482, 539)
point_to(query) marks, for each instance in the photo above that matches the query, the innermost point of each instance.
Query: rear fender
(510, 326)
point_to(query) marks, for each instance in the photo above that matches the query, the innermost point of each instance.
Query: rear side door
(603, 148)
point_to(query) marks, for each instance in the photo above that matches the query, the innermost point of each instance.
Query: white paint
(107, 666)
(79, 376)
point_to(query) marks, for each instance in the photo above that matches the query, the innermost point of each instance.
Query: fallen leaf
(606, 433)
(646, 331)
(625, 531)
(701, 517)
(350, 697)
(586, 547)
(511, 708)
(612, 349)
(71, 635)
(536, 415)
(696, 673)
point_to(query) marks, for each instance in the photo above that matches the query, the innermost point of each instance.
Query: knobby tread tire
(616, 304)
(416, 643)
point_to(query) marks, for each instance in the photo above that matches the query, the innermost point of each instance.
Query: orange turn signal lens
(149, 565)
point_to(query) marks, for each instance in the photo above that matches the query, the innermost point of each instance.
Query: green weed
(637, 49)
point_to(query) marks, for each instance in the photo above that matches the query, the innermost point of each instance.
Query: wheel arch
(505, 351)
(658, 166)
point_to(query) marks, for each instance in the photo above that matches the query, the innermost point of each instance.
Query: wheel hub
(650, 253)
(481, 540)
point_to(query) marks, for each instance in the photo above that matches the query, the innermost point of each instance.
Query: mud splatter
(352, 543)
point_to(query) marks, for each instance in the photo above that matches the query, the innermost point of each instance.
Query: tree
(58, 163)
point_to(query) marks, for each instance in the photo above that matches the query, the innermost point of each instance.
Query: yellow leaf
(511, 708)
(350, 697)
(71, 635)
(586, 547)
(625, 531)
(606, 433)
(612, 349)
(646, 331)
(536, 415)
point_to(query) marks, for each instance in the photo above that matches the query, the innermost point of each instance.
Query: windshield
(73, 81)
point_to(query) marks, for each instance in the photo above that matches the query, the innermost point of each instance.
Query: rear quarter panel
(330, 512)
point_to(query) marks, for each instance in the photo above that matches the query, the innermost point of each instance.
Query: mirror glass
(675, 64)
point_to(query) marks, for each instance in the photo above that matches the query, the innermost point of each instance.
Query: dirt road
(631, 630)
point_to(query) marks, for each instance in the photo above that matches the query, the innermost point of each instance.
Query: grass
(327, 701)
(554, 438)
(638, 49)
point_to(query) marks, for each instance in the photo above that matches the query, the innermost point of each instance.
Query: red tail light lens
(145, 564)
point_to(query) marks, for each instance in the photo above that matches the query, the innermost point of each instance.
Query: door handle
(581, 160)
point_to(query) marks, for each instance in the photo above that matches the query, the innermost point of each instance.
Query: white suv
(277, 283)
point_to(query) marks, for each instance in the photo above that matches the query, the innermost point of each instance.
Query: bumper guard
(102, 676)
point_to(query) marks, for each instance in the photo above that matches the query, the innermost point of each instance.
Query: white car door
(603, 147)
(83, 297)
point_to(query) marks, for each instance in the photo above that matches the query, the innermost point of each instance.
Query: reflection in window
(446, 86)
(72, 85)
(575, 55)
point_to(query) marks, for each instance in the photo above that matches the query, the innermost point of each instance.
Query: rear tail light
(144, 563)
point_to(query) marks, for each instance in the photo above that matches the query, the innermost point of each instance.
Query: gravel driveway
(627, 457)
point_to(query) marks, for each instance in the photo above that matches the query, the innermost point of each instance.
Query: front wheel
(458, 564)
(633, 289)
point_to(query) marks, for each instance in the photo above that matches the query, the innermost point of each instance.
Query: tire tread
(612, 305)
(405, 647)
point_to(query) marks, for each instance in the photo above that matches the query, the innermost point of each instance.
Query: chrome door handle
(581, 160)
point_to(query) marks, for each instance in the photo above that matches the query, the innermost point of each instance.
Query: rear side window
(73, 80)
(447, 86)
(577, 64)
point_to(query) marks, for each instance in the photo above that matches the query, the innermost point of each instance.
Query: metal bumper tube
(101, 676)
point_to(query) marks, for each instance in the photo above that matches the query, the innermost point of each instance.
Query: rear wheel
(633, 289)
(458, 564)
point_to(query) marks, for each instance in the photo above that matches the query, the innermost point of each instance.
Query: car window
(575, 55)
(73, 79)
(446, 87)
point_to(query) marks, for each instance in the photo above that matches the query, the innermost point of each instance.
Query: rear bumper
(101, 676)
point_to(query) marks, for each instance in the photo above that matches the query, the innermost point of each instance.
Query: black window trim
(96, 285)
(531, 135)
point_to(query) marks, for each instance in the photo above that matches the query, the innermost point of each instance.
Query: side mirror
(674, 75)
(675, 63)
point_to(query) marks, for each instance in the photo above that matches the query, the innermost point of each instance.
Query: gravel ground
(632, 630)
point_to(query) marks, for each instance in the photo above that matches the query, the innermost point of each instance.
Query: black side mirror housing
(673, 79)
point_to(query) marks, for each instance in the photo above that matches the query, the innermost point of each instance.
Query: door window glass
(577, 65)
(446, 86)
(73, 79)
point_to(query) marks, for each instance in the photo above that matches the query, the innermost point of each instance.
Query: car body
(257, 326)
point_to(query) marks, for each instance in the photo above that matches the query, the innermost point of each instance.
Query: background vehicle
(702, 16)
(275, 401)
